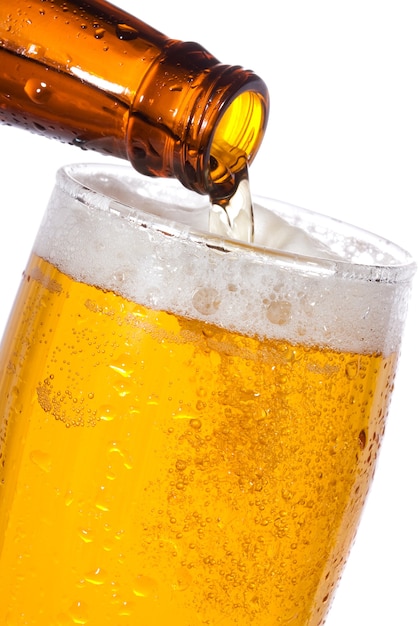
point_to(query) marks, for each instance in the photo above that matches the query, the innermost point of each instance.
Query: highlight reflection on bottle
(160, 464)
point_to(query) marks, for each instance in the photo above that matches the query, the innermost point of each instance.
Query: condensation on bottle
(89, 74)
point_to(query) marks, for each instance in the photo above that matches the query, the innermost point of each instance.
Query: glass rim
(70, 181)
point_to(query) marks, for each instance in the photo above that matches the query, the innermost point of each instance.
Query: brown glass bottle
(91, 75)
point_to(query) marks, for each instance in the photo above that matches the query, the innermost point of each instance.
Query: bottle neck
(196, 119)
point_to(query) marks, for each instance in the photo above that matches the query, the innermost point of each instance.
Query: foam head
(307, 278)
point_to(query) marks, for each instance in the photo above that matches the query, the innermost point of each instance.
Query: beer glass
(190, 424)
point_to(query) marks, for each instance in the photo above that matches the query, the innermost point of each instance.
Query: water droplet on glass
(86, 534)
(123, 366)
(96, 577)
(99, 33)
(79, 613)
(183, 579)
(68, 498)
(41, 459)
(145, 586)
(106, 413)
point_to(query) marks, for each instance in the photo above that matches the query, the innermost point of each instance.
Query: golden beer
(160, 467)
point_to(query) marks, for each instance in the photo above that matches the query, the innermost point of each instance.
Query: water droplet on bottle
(99, 33)
(126, 32)
(37, 90)
(79, 142)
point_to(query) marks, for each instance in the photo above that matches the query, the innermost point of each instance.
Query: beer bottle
(89, 74)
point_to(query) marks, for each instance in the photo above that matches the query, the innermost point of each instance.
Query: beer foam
(307, 279)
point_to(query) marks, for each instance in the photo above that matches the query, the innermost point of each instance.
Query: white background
(343, 139)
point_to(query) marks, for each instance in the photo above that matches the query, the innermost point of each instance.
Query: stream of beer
(233, 216)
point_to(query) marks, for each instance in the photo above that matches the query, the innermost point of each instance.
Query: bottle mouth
(237, 136)
(204, 123)
(235, 141)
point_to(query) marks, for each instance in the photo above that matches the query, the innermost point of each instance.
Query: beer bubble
(206, 300)
(195, 424)
(279, 312)
(37, 90)
(181, 465)
(43, 393)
